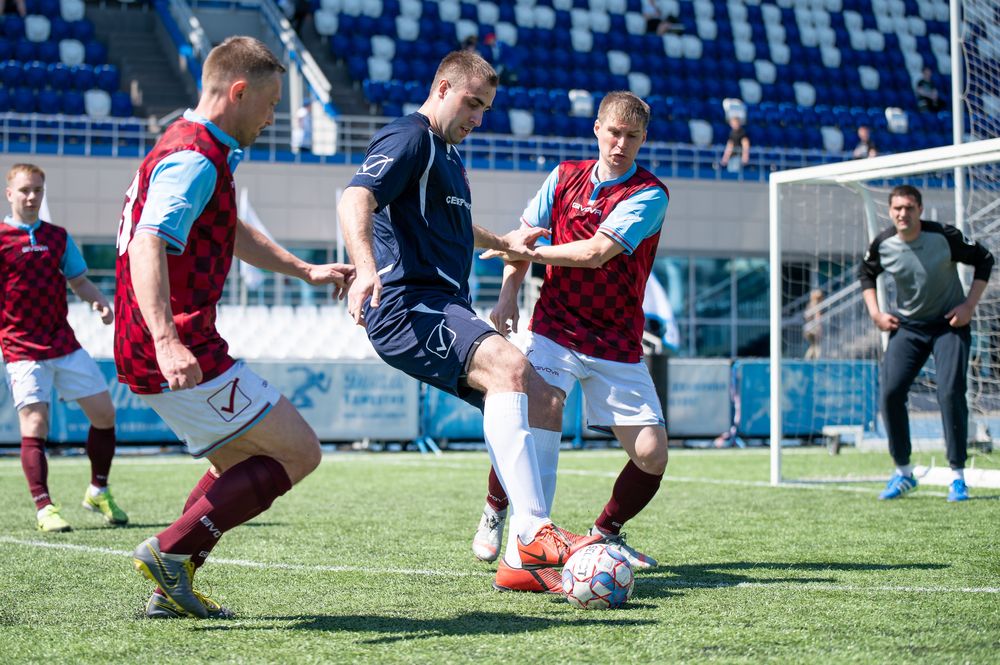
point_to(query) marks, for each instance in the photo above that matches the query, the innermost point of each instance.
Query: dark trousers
(909, 347)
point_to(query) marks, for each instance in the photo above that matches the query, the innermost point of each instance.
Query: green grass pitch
(369, 561)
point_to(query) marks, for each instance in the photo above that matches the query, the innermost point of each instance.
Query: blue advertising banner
(814, 394)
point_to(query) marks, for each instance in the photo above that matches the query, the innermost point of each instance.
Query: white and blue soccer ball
(597, 577)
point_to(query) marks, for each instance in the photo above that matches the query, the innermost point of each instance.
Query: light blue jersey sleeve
(179, 189)
(72, 265)
(636, 218)
(538, 214)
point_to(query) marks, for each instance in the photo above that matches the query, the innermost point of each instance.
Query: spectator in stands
(737, 145)
(470, 44)
(928, 98)
(407, 220)
(504, 58)
(604, 217)
(657, 22)
(302, 128)
(37, 261)
(812, 329)
(931, 316)
(178, 238)
(866, 145)
(18, 6)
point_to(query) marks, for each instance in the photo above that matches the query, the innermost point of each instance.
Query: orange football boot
(552, 547)
(541, 580)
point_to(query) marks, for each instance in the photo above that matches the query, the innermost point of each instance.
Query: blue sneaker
(898, 486)
(958, 491)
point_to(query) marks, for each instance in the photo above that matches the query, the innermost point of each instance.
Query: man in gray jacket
(932, 316)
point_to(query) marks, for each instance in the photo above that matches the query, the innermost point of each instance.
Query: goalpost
(822, 219)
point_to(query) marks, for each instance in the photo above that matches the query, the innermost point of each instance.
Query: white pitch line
(673, 583)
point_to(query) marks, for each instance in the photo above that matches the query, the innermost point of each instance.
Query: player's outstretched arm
(505, 314)
(151, 283)
(257, 249)
(355, 212)
(88, 292)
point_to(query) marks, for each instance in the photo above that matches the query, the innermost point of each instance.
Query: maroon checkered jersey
(197, 275)
(595, 311)
(34, 325)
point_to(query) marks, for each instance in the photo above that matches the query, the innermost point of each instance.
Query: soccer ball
(597, 577)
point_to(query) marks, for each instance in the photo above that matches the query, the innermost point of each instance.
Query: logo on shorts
(441, 340)
(229, 401)
(375, 165)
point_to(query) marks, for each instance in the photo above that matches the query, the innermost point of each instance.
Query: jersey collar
(235, 152)
(608, 183)
(19, 225)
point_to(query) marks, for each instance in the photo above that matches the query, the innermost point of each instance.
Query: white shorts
(214, 413)
(615, 393)
(74, 376)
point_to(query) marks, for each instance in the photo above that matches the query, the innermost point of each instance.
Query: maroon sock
(239, 494)
(36, 469)
(633, 490)
(496, 497)
(100, 450)
(205, 484)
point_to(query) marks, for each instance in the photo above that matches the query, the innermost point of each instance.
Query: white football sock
(958, 474)
(512, 452)
(547, 452)
(93, 490)
(905, 470)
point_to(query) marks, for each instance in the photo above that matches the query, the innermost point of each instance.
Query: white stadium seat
(525, 3)
(580, 18)
(525, 16)
(827, 37)
(379, 69)
(775, 33)
(72, 10)
(449, 10)
(522, 123)
(805, 93)
(830, 55)
(853, 20)
(619, 63)
(335, 5)
(765, 71)
(617, 6)
(917, 26)
(97, 103)
(581, 103)
(487, 13)
(411, 8)
(600, 21)
(407, 29)
(326, 22)
(598, 5)
(781, 54)
(372, 8)
(833, 139)
(562, 5)
(635, 23)
(506, 33)
(37, 28)
(702, 9)
(939, 43)
(692, 47)
(809, 36)
(742, 32)
(746, 52)
(869, 77)
(352, 7)
(737, 11)
(701, 132)
(858, 40)
(464, 28)
(581, 40)
(833, 6)
(383, 47)
(707, 29)
(897, 120)
(673, 46)
(545, 17)
(876, 41)
(639, 84)
(750, 91)
(771, 14)
(71, 52)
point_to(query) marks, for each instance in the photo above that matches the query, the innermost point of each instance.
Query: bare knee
(651, 454)
(305, 458)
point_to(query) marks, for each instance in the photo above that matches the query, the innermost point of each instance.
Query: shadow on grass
(397, 629)
(729, 574)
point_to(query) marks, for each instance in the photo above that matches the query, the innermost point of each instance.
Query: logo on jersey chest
(34, 248)
(587, 210)
(458, 201)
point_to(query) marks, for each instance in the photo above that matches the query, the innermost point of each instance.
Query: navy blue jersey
(422, 235)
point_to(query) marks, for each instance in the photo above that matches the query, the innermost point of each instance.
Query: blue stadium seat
(95, 53)
(59, 76)
(83, 77)
(108, 77)
(49, 101)
(11, 73)
(121, 105)
(82, 30)
(374, 91)
(6, 49)
(48, 51)
(59, 29)
(72, 102)
(13, 27)
(35, 75)
(4, 100)
(23, 100)
(25, 51)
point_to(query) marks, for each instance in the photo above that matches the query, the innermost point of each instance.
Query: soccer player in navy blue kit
(932, 316)
(407, 221)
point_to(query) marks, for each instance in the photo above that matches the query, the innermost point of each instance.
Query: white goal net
(824, 348)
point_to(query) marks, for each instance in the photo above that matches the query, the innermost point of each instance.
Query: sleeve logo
(375, 166)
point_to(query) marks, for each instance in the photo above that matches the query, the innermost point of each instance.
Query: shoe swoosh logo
(171, 580)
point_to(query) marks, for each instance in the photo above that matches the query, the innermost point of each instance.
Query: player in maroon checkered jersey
(604, 217)
(37, 261)
(179, 233)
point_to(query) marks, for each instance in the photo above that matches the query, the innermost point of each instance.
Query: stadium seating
(784, 58)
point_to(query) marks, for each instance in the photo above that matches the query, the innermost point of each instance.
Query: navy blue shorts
(430, 336)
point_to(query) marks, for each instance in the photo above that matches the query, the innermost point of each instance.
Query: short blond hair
(237, 58)
(30, 169)
(464, 67)
(625, 106)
